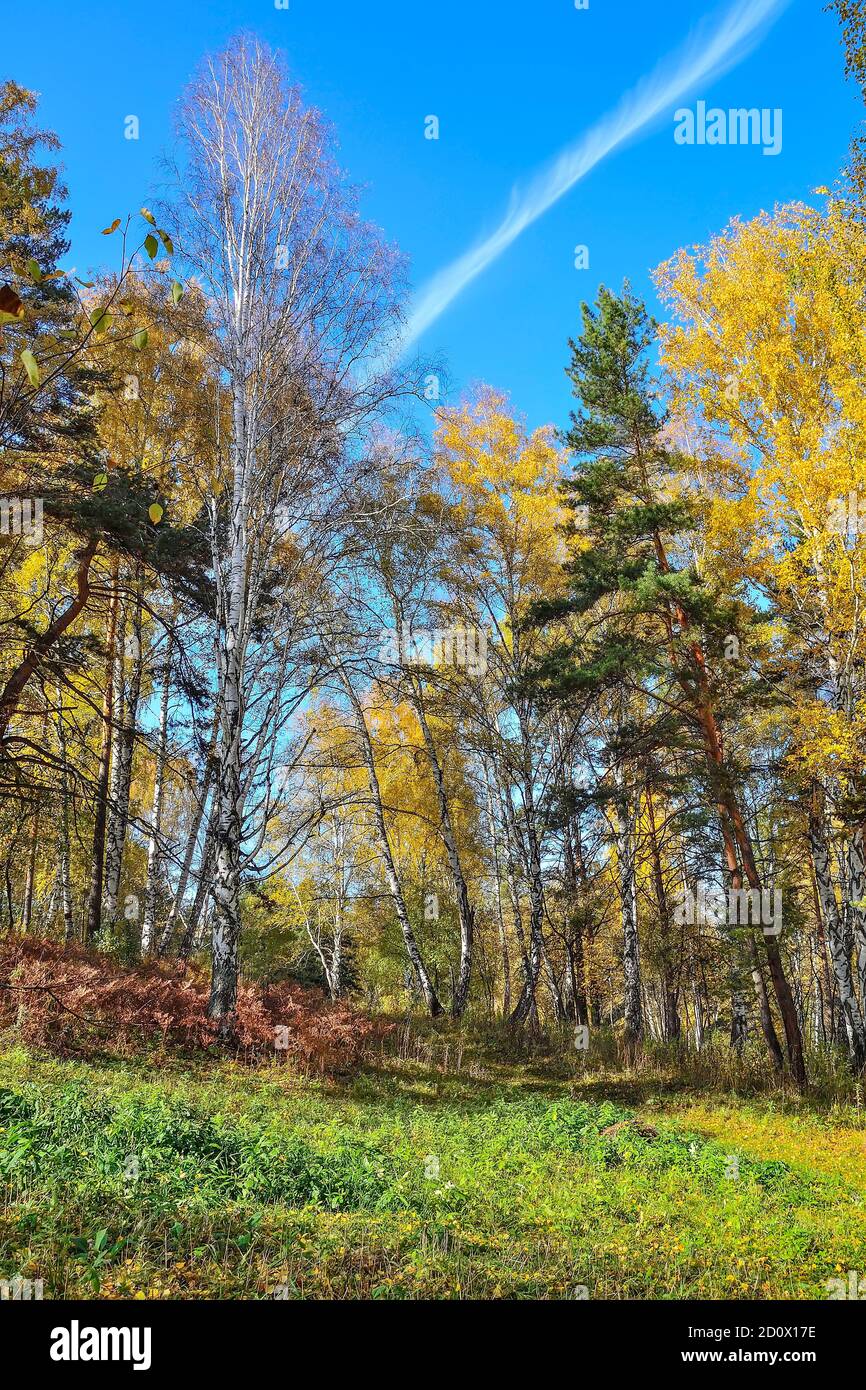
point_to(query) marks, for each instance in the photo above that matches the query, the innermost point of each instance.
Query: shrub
(66, 999)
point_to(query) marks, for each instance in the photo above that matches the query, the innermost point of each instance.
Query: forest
(429, 845)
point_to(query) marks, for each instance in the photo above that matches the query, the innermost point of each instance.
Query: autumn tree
(659, 615)
(300, 292)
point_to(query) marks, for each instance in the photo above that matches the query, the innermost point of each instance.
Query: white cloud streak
(705, 55)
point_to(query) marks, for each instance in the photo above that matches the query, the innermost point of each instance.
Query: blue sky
(512, 82)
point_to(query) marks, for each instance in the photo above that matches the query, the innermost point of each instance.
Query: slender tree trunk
(768, 1028)
(857, 892)
(822, 968)
(736, 838)
(126, 714)
(553, 989)
(670, 986)
(65, 864)
(154, 858)
(424, 982)
(335, 973)
(226, 891)
(503, 939)
(818, 846)
(526, 1006)
(465, 910)
(699, 1016)
(192, 840)
(739, 1021)
(575, 953)
(93, 921)
(203, 888)
(27, 906)
(526, 999)
(626, 817)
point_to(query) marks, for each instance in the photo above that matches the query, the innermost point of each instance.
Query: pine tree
(662, 624)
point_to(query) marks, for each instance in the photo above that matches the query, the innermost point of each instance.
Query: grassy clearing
(125, 1179)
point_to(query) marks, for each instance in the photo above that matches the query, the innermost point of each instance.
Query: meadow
(448, 1167)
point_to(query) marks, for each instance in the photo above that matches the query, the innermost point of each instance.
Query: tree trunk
(465, 911)
(126, 714)
(503, 939)
(526, 1006)
(154, 858)
(739, 1021)
(738, 845)
(424, 982)
(94, 904)
(699, 1016)
(192, 840)
(65, 864)
(765, 1013)
(626, 817)
(27, 905)
(670, 984)
(226, 890)
(818, 846)
(857, 892)
(203, 888)
(526, 999)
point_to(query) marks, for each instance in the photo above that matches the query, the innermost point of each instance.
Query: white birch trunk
(854, 1030)
(154, 857)
(465, 910)
(65, 864)
(126, 714)
(857, 891)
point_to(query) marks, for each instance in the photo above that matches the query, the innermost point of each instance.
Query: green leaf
(100, 319)
(176, 292)
(167, 242)
(139, 339)
(33, 271)
(31, 367)
(151, 245)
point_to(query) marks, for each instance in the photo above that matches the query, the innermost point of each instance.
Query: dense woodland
(310, 674)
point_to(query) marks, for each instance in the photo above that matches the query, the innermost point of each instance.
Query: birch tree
(300, 295)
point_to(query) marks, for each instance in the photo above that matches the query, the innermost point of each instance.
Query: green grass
(124, 1180)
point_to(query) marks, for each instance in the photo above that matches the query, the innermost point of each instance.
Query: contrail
(702, 58)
